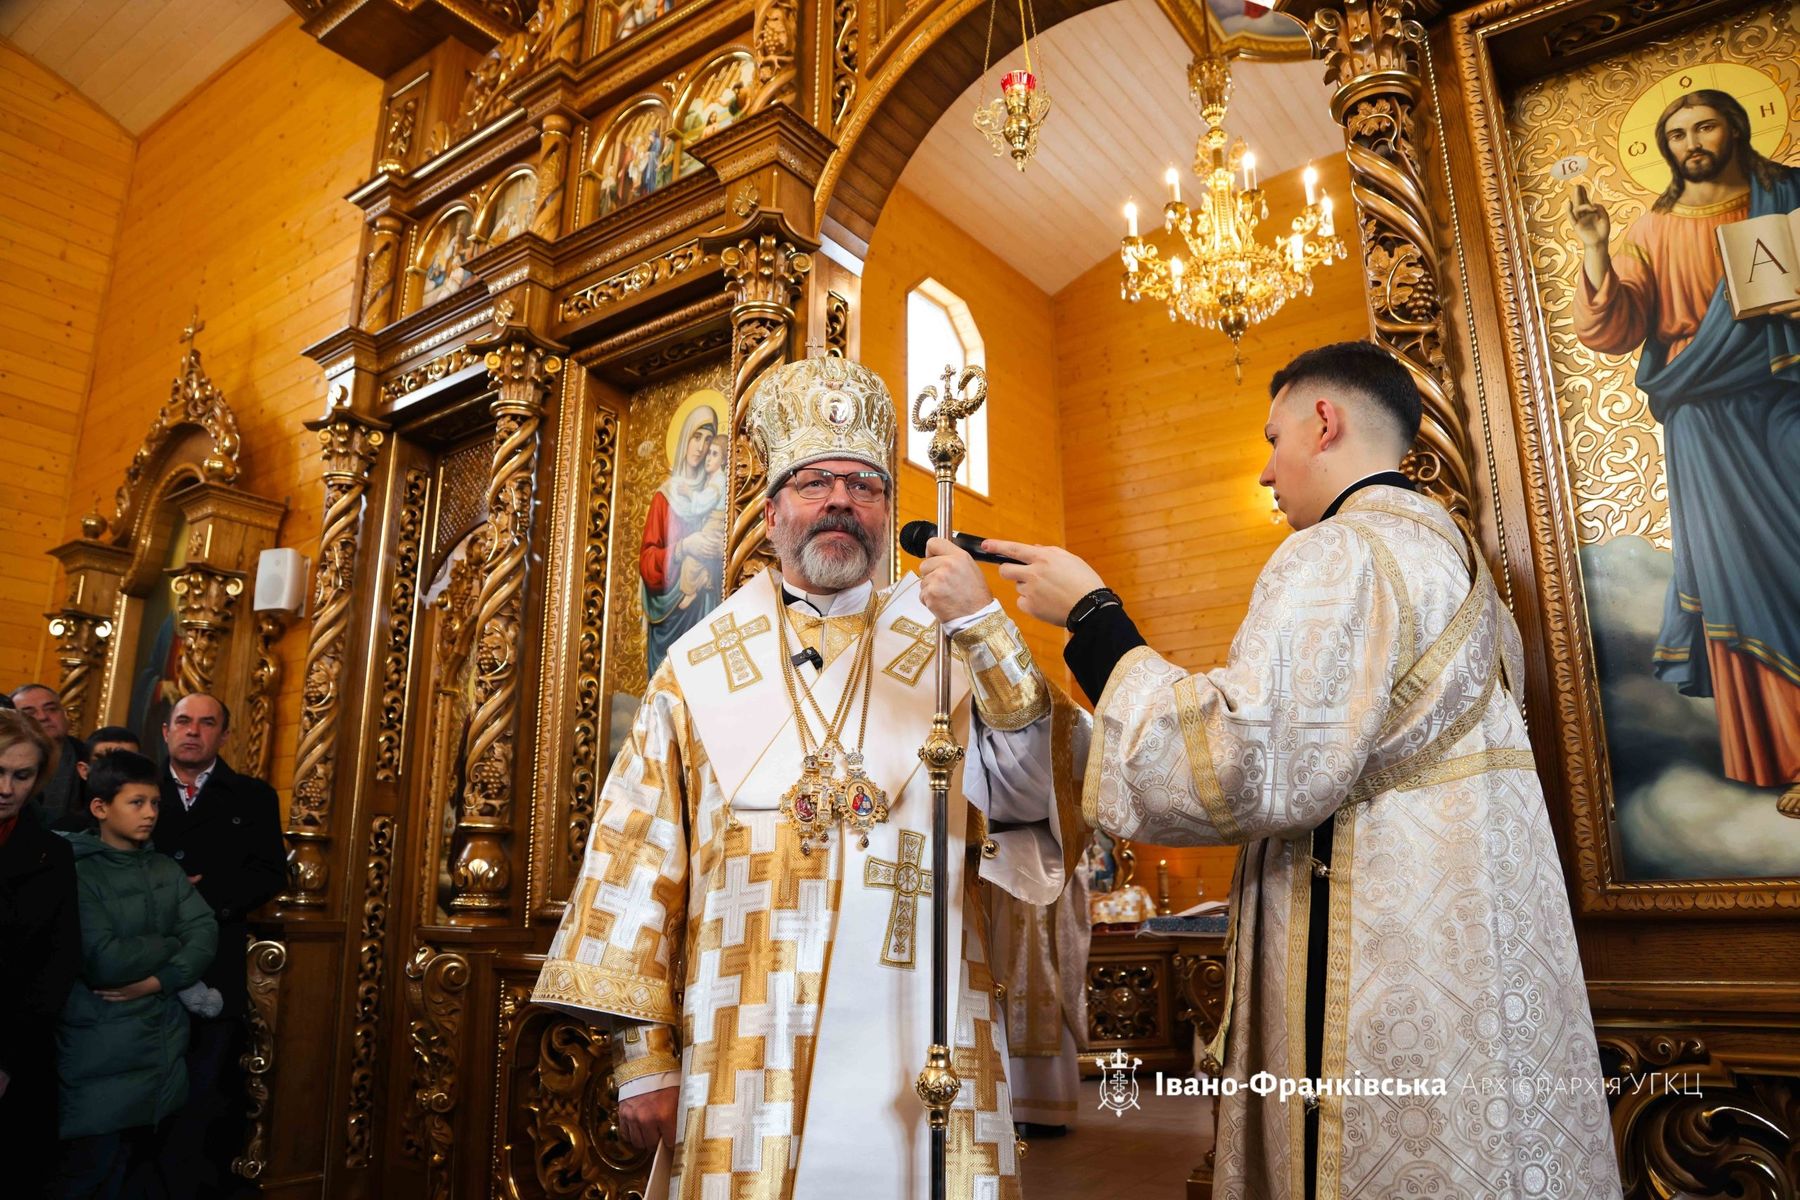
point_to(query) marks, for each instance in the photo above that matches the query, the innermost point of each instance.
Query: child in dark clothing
(145, 935)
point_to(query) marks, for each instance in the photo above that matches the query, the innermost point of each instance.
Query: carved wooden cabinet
(1145, 994)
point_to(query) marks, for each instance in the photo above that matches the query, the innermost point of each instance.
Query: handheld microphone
(914, 535)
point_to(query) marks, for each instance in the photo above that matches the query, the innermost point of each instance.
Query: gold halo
(703, 397)
(1761, 97)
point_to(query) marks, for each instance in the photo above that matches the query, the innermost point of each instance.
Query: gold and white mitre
(821, 408)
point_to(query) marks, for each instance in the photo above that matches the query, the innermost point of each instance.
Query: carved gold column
(765, 263)
(522, 373)
(552, 171)
(435, 984)
(350, 443)
(205, 606)
(81, 644)
(1370, 49)
(381, 273)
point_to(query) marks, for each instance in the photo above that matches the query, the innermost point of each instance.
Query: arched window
(940, 332)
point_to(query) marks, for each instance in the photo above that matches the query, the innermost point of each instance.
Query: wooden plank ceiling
(137, 59)
(1120, 116)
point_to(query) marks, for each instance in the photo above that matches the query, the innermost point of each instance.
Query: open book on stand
(1762, 262)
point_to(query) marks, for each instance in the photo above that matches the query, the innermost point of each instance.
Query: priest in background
(1040, 958)
(1401, 928)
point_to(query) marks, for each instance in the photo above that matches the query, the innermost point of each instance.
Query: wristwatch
(1097, 599)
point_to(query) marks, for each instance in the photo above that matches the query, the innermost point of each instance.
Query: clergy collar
(848, 602)
(1383, 478)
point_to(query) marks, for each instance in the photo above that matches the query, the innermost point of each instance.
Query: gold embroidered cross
(728, 647)
(912, 661)
(908, 882)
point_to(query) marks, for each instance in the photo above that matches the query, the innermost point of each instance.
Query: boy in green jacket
(145, 935)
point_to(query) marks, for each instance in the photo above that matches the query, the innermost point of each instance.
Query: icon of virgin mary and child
(683, 553)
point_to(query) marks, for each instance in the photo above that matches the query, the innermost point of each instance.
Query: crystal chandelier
(1228, 280)
(1011, 123)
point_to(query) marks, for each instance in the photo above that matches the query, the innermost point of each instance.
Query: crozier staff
(1398, 907)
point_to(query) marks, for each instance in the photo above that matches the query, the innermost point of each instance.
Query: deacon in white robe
(769, 969)
(1401, 927)
(1040, 957)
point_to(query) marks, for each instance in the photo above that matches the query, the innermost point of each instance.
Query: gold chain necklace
(817, 800)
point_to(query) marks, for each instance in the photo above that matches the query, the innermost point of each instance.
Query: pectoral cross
(911, 662)
(908, 883)
(728, 647)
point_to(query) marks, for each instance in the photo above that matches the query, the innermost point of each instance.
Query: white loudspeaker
(281, 582)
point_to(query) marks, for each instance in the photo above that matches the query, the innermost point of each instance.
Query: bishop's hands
(1050, 580)
(950, 584)
(650, 1118)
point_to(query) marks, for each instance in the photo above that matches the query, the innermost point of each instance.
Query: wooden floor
(1148, 1152)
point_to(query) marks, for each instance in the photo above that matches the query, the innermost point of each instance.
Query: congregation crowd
(127, 881)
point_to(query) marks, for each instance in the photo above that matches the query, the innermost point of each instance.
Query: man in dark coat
(40, 958)
(225, 830)
(62, 800)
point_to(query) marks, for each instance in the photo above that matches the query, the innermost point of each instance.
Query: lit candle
(1325, 215)
(1311, 178)
(1297, 251)
(1249, 171)
(1175, 269)
(1131, 220)
(1173, 178)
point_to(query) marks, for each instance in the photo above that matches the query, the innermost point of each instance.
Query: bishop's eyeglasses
(816, 483)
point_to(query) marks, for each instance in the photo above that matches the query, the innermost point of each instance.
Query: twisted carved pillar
(81, 643)
(350, 444)
(765, 264)
(1370, 50)
(552, 170)
(205, 606)
(381, 273)
(480, 873)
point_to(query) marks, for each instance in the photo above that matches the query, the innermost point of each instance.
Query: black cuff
(1103, 637)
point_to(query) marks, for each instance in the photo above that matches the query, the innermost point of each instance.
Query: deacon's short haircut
(114, 770)
(112, 733)
(1364, 370)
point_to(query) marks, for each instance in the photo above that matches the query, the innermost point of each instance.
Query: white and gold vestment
(799, 983)
(1372, 686)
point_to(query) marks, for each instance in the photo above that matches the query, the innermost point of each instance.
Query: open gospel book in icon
(1762, 262)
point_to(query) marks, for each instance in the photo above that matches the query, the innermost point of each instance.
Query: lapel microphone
(809, 655)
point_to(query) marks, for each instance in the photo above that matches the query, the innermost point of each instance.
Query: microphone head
(914, 535)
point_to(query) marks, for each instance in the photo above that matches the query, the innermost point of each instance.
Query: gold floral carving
(193, 401)
(371, 962)
(843, 60)
(837, 325)
(81, 644)
(350, 444)
(590, 689)
(480, 874)
(1202, 980)
(264, 677)
(552, 32)
(634, 279)
(765, 263)
(552, 175)
(1595, 28)
(1370, 52)
(714, 341)
(565, 1112)
(1692, 1124)
(1125, 1002)
(266, 960)
(774, 36)
(379, 273)
(435, 983)
(414, 492)
(442, 367)
(205, 602)
(403, 120)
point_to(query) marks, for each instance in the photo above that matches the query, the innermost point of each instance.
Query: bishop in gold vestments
(1364, 745)
(761, 958)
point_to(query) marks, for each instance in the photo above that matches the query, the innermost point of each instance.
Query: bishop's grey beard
(827, 563)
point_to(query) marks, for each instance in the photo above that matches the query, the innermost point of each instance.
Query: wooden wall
(1163, 498)
(61, 194)
(231, 207)
(1025, 497)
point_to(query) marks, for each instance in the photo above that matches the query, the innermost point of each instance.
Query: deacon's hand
(950, 584)
(649, 1118)
(1050, 581)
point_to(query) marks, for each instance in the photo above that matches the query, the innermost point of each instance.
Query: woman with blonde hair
(40, 955)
